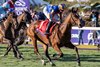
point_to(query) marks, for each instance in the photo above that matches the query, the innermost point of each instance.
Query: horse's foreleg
(15, 49)
(8, 49)
(77, 55)
(34, 42)
(47, 54)
(70, 45)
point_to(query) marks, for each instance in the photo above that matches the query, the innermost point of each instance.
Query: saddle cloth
(43, 25)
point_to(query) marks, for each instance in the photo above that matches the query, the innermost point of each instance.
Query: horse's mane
(58, 28)
(28, 15)
(20, 18)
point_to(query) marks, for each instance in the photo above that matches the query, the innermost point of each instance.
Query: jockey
(7, 7)
(50, 11)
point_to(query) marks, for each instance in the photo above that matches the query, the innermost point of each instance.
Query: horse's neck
(7, 21)
(66, 25)
(20, 18)
(20, 21)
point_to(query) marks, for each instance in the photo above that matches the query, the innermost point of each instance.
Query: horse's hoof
(79, 64)
(21, 53)
(21, 58)
(5, 55)
(43, 63)
(53, 64)
(54, 55)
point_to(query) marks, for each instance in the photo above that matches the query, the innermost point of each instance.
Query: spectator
(94, 18)
(90, 38)
(80, 34)
(97, 18)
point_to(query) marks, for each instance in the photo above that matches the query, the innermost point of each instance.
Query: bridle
(73, 19)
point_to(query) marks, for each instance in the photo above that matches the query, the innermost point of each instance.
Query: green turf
(89, 58)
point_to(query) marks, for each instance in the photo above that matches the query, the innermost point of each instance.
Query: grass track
(89, 58)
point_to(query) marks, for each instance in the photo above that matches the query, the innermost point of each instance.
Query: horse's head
(76, 18)
(23, 19)
(8, 22)
(10, 17)
(27, 17)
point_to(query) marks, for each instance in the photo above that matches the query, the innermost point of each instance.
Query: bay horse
(60, 36)
(20, 31)
(8, 33)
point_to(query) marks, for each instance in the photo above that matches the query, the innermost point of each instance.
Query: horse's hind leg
(45, 46)
(57, 48)
(71, 46)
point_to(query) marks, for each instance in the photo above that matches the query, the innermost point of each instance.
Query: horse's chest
(66, 37)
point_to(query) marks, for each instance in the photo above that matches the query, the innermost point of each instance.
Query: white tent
(98, 6)
(77, 5)
(38, 2)
(87, 7)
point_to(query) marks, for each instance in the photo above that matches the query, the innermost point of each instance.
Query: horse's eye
(76, 15)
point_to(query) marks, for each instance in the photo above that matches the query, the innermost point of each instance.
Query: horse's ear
(74, 10)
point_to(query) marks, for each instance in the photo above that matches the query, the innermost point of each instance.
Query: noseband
(73, 19)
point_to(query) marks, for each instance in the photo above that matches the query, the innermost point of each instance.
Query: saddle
(43, 25)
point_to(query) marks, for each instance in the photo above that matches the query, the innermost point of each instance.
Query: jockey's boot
(48, 28)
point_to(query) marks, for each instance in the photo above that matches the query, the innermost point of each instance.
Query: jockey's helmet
(62, 6)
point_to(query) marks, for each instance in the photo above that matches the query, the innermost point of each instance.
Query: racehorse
(60, 36)
(20, 30)
(8, 33)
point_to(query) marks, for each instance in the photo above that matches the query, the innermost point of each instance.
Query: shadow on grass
(88, 58)
(67, 57)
